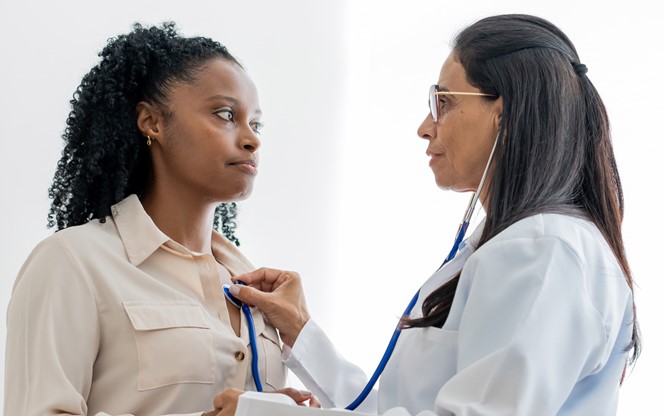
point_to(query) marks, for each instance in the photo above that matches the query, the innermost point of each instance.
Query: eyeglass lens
(433, 103)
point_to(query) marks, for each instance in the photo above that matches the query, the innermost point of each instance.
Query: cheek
(465, 156)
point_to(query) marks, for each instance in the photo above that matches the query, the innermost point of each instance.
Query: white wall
(345, 196)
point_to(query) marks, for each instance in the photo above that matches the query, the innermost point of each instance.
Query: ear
(149, 120)
(497, 110)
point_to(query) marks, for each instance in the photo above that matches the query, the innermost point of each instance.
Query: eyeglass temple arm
(463, 93)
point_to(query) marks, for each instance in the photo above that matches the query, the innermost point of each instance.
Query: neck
(184, 220)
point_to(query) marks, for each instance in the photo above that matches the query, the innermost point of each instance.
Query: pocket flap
(270, 333)
(146, 316)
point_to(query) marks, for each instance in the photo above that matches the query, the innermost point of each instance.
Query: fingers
(249, 295)
(227, 399)
(280, 297)
(225, 403)
(299, 396)
(314, 402)
(263, 280)
(258, 276)
(266, 279)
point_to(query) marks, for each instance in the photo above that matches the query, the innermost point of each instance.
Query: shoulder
(576, 237)
(66, 252)
(553, 252)
(79, 239)
(572, 230)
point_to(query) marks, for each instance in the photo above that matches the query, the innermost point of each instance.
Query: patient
(121, 311)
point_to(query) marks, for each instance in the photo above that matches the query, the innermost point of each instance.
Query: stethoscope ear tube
(397, 332)
(461, 233)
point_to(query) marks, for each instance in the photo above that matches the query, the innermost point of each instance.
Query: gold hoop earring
(149, 141)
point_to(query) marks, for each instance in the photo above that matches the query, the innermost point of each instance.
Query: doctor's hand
(225, 403)
(279, 296)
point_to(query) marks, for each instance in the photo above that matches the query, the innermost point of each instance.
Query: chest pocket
(275, 370)
(168, 334)
(272, 370)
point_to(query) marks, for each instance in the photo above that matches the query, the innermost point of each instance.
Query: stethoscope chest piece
(232, 299)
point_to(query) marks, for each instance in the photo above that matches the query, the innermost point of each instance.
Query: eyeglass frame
(434, 92)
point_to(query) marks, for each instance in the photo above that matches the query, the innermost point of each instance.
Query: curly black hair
(105, 157)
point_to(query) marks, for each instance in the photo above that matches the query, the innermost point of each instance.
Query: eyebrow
(223, 97)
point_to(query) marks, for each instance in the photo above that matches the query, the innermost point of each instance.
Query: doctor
(534, 315)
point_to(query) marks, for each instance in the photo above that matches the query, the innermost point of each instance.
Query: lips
(247, 165)
(433, 156)
(250, 162)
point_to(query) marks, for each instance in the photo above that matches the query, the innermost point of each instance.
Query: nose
(249, 140)
(427, 129)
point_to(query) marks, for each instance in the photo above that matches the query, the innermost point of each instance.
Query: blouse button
(239, 356)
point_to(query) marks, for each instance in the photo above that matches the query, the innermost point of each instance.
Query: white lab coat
(539, 326)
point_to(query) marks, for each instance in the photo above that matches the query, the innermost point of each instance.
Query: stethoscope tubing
(397, 332)
(252, 334)
(254, 350)
(386, 357)
(461, 232)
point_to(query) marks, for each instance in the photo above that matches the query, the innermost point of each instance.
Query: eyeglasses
(434, 103)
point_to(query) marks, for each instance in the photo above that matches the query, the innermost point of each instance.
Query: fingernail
(305, 393)
(234, 289)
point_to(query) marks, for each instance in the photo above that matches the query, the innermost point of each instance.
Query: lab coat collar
(475, 235)
(451, 269)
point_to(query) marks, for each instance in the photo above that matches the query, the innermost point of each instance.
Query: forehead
(218, 72)
(220, 77)
(453, 76)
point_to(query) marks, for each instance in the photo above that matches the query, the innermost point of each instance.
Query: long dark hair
(105, 157)
(555, 153)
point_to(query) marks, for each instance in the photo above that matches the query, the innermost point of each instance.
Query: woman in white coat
(534, 315)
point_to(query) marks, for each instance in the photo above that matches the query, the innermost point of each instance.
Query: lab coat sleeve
(318, 365)
(528, 331)
(52, 335)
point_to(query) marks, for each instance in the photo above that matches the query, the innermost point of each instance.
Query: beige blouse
(116, 318)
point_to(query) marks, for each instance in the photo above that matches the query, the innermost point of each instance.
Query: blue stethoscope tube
(252, 334)
(397, 331)
(461, 233)
(390, 347)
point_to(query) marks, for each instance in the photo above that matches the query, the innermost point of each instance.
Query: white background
(344, 196)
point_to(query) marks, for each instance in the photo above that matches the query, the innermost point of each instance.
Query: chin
(446, 186)
(234, 192)
(243, 194)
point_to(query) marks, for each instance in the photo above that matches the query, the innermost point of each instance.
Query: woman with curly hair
(121, 311)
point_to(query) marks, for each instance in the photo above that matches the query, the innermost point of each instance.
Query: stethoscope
(461, 233)
(252, 333)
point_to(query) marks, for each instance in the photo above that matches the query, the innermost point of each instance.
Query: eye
(257, 127)
(226, 114)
